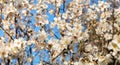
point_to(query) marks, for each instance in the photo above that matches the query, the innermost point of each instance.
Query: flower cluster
(13, 48)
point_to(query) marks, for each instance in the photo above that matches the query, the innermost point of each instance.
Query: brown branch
(58, 55)
(62, 51)
(7, 33)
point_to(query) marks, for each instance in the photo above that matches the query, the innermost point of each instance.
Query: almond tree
(80, 33)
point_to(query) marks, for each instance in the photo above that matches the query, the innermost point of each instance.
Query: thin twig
(58, 55)
(7, 33)
(62, 51)
(116, 62)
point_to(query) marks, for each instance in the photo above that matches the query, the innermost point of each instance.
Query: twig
(62, 52)
(116, 62)
(7, 33)
(58, 55)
